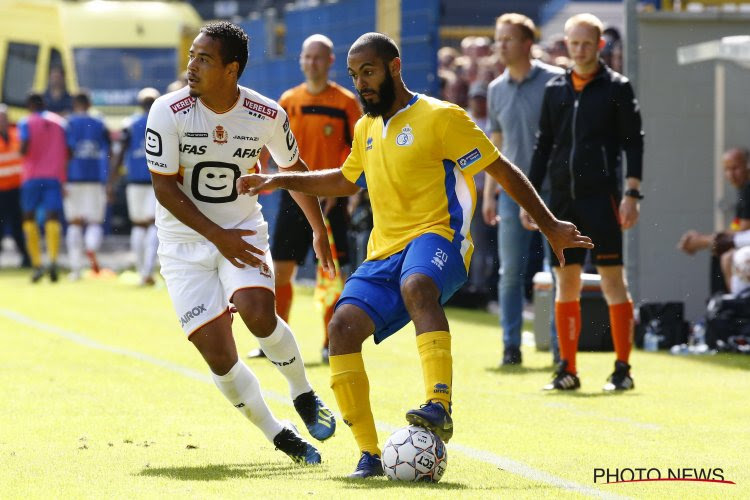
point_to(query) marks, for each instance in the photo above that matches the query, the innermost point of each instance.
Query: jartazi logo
(284, 363)
(643, 474)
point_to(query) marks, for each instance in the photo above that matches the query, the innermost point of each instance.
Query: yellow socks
(32, 242)
(437, 366)
(352, 390)
(52, 231)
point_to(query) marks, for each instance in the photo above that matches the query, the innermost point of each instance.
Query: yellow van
(112, 48)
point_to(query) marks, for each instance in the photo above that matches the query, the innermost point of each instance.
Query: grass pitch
(102, 397)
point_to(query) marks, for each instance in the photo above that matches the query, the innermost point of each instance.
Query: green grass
(127, 410)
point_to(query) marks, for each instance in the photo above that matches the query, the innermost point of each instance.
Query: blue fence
(271, 73)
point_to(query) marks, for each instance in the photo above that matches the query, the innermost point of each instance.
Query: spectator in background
(139, 192)
(483, 269)
(736, 162)
(447, 57)
(589, 117)
(10, 183)
(515, 102)
(85, 199)
(45, 152)
(177, 84)
(612, 51)
(322, 115)
(56, 98)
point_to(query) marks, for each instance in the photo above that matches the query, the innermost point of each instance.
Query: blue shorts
(375, 287)
(45, 194)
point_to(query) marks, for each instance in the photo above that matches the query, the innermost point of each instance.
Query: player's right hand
(236, 250)
(253, 184)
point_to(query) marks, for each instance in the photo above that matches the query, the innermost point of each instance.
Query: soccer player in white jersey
(214, 244)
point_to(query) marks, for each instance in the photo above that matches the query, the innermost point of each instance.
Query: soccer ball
(414, 454)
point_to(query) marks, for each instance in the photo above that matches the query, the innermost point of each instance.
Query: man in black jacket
(589, 116)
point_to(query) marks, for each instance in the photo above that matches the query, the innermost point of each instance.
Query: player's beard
(386, 97)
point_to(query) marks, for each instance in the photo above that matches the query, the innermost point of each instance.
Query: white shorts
(201, 282)
(85, 200)
(141, 202)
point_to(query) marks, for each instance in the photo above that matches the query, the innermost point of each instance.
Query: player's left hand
(323, 253)
(561, 235)
(630, 209)
(253, 184)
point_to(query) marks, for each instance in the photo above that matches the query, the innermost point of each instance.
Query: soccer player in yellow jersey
(417, 156)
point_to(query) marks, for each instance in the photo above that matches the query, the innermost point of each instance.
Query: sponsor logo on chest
(258, 109)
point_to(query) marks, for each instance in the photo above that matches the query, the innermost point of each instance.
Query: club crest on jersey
(405, 138)
(327, 129)
(369, 144)
(220, 135)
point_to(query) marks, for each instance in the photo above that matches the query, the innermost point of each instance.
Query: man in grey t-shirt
(515, 102)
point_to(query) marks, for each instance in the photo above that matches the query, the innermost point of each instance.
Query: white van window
(19, 71)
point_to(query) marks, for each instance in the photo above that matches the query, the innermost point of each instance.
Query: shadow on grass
(381, 483)
(725, 360)
(600, 394)
(222, 472)
(520, 369)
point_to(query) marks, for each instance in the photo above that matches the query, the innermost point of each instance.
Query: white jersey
(208, 151)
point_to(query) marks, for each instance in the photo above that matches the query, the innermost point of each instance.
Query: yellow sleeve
(465, 144)
(353, 167)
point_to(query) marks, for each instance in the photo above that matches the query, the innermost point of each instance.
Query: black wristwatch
(634, 193)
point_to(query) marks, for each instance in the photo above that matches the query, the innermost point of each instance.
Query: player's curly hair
(234, 42)
(383, 45)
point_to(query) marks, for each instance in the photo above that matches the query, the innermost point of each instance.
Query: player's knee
(257, 309)
(419, 291)
(345, 334)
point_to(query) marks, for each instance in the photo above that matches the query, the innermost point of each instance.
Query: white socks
(241, 388)
(137, 237)
(149, 252)
(94, 236)
(281, 349)
(74, 242)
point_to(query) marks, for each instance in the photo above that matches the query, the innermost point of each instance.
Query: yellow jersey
(419, 168)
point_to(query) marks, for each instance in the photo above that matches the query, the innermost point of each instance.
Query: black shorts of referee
(292, 234)
(596, 216)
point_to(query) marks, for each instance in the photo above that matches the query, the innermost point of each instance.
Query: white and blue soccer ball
(414, 454)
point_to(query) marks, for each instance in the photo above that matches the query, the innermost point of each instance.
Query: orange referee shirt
(11, 162)
(323, 124)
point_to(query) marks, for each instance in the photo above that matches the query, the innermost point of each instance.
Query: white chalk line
(504, 463)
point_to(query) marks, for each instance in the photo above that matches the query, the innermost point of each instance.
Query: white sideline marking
(504, 463)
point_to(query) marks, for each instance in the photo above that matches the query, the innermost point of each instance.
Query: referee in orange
(589, 117)
(322, 115)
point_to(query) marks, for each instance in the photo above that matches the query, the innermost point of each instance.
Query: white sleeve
(742, 239)
(282, 145)
(162, 140)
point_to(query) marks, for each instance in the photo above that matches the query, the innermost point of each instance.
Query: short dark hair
(82, 98)
(234, 42)
(383, 45)
(35, 101)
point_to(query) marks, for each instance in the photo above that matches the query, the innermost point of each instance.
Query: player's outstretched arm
(228, 241)
(329, 182)
(561, 234)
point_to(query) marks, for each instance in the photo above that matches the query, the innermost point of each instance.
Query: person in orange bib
(11, 166)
